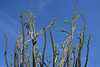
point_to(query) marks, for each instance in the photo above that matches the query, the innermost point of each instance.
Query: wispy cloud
(10, 19)
(43, 3)
(8, 24)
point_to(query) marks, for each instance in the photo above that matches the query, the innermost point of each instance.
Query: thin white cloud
(43, 3)
(11, 20)
(8, 24)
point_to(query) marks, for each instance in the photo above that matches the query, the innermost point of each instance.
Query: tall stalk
(22, 63)
(44, 47)
(6, 51)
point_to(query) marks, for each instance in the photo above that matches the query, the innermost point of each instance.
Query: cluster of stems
(65, 56)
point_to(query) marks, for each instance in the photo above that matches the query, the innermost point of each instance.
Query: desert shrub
(26, 44)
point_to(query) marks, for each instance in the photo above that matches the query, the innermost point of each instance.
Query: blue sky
(48, 9)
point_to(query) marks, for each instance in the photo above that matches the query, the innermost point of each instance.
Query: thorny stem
(87, 51)
(11, 59)
(52, 47)
(71, 37)
(70, 42)
(44, 48)
(52, 40)
(74, 56)
(6, 50)
(28, 61)
(81, 43)
(22, 63)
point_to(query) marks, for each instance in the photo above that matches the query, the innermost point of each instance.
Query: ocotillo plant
(68, 51)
